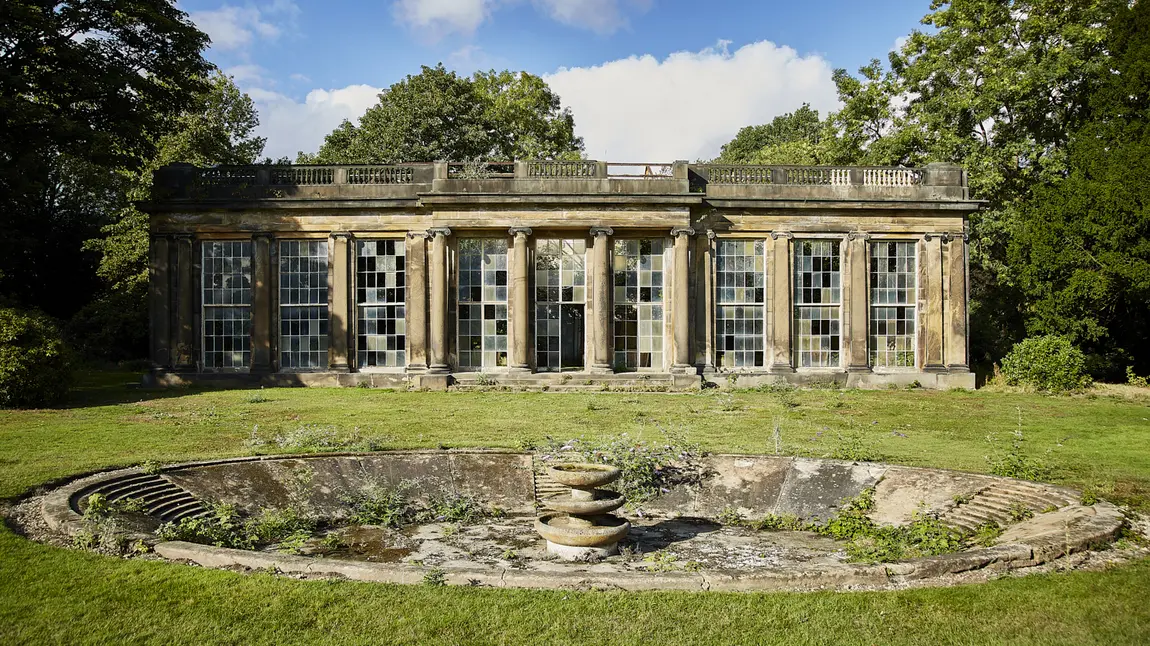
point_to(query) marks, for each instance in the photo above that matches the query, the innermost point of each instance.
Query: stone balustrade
(409, 182)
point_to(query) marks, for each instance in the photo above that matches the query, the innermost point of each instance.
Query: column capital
(519, 231)
(418, 234)
(858, 235)
(602, 231)
(183, 237)
(775, 235)
(682, 231)
(340, 234)
(950, 236)
(438, 231)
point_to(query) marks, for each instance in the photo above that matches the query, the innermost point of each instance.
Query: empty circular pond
(741, 522)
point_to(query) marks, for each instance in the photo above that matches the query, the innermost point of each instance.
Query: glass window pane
(817, 294)
(303, 303)
(482, 313)
(380, 295)
(226, 299)
(638, 315)
(893, 311)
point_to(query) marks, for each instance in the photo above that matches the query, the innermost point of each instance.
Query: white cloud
(691, 103)
(436, 19)
(600, 16)
(248, 75)
(291, 126)
(233, 28)
(300, 78)
(635, 109)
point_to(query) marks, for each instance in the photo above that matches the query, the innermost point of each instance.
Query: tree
(217, 128)
(793, 138)
(1082, 246)
(998, 86)
(86, 87)
(438, 115)
(526, 117)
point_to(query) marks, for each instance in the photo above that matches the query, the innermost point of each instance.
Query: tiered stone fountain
(583, 526)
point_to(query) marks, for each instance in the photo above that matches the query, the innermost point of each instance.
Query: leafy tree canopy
(86, 89)
(438, 115)
(997, 86)
(793, 138)
(217, 128)
(1082, 246)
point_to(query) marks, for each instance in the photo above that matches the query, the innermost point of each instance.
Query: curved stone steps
(161, 498)
(546, 487)
(994, 503)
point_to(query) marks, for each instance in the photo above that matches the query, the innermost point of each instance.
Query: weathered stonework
(688, 211)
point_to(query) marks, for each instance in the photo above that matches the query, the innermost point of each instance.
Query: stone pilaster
(855, 298)
(680, 300)
(955, 330)
(186, 295)
(704, 300)
(930, 281)
(437, 269)
(415, 268)
(261, 303)
(520, 303)
(160, 302)
(781, 308)
(339, 306)
(601, 259)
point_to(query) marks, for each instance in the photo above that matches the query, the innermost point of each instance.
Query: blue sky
(646, 79)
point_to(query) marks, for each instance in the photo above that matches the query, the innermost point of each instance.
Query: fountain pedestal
(583, 526)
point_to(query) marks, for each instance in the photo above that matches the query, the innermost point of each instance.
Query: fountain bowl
(602, 501)
(573, 537)
(583, 475)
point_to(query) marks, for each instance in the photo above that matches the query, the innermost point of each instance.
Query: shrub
(223, 527)
(34, 365)
(1050, 363)
(649, 468)
(378, 504)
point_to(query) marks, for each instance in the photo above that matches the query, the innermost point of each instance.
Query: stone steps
(994, 503)
(565, 382)
(161, 498)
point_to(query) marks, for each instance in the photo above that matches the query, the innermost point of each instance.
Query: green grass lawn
(51, 595)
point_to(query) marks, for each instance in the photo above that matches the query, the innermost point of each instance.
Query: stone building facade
(539, 273)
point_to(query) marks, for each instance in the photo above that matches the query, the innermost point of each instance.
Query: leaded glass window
(227, 303)
(892, 304)
(638, 304)
(482, 303)
(380, 294)
(740, 320)
(818, 294)
(303, 303)
(560, 298)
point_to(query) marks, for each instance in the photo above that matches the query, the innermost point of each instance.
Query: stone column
(780, 302)
(159, 302)
(704, 323)
(681, 310)
(339, 307)
(437, 268)
(955, 331)
(520, 303)
(185, 304)
(856, 298)
(261, 303)
(930, 275)
(601, 260)
(416, 304)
